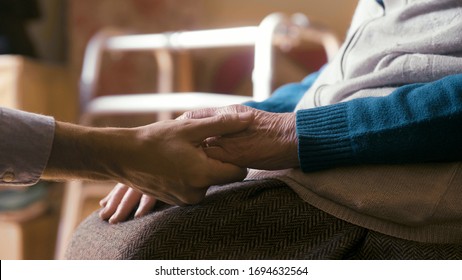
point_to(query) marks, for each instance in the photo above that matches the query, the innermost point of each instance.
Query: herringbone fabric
(379, 246)
(249, 220)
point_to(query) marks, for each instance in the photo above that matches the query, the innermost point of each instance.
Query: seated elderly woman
(361, 160)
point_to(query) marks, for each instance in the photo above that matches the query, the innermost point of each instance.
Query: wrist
(324, 139)
(80, 152)
(291, 140)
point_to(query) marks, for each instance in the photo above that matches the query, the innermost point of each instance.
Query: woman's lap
(247, 220)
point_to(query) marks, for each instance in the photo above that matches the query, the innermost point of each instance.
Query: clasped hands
(201, 148)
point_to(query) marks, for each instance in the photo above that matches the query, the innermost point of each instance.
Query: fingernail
(246, 116)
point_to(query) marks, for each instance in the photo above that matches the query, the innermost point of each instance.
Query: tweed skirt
(261, 219)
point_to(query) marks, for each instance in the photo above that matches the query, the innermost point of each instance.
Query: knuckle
(187, 115)
(223, 119)
(198, 114)
(236, 108)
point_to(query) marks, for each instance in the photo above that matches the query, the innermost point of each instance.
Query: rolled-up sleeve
(25, 146)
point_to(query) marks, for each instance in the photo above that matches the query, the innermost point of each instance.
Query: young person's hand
(165, 159)
(122, 201)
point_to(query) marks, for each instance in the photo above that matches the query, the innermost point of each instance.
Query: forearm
(417, 123)
(164, 159)
(80, 152)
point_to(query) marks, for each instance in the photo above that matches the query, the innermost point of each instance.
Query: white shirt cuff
(25, 146)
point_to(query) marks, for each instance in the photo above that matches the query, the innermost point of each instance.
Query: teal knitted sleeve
(416, 123)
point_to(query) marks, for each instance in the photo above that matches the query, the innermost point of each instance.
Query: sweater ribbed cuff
(323, 137)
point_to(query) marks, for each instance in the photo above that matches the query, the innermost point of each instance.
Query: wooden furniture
(34, 86)
(30, 233)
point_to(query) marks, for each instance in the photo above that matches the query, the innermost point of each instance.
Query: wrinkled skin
(178, 170)
(269, 143)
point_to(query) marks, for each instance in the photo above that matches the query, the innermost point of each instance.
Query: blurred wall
(136, 72)
(335, 14)
(128, 72)
(49, 31)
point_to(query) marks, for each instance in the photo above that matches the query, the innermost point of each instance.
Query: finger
(209, 112)
(230, 149)
(103, 202)
(218, 153)
(127, 204)
(111, 206)
(220, 125)
(199, 114)
(224, 173)
(147, 203)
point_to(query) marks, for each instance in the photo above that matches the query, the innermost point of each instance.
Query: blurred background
(42, 45)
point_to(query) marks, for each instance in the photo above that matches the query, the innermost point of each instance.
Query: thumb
(220, 125)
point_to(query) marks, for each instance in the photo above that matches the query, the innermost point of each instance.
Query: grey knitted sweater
(408, 41)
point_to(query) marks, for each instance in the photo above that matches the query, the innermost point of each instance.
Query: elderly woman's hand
(269, 143)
